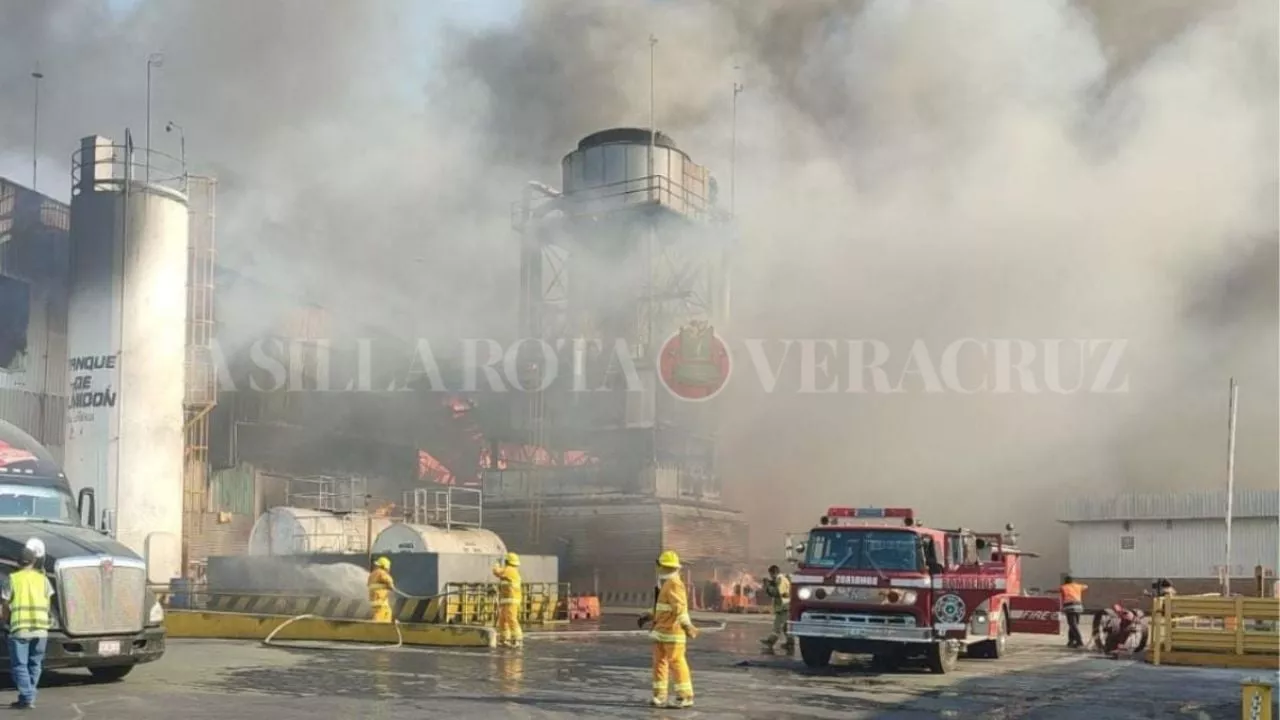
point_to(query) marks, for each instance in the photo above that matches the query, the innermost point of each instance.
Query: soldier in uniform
(778, 587)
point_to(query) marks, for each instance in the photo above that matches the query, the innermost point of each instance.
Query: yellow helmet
(513, 559)
(383, 563)
(668, 559)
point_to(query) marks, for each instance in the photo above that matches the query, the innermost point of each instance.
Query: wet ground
(583, 675)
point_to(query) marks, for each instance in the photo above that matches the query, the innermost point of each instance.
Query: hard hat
(513, 559)
(668, 559)
(35, 546)
(383, 563)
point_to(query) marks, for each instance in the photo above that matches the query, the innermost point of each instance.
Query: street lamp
(153, 60)
(182, 143)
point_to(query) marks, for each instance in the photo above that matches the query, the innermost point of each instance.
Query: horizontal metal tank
(406, 537)
(301, 531)
(610, 170)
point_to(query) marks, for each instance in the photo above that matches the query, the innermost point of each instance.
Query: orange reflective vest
(1073, 593)
(671, 612)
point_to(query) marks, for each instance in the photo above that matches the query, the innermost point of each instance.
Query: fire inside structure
(613, 469)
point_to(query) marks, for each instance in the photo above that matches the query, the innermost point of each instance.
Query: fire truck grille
(102, 601)
(858, 620)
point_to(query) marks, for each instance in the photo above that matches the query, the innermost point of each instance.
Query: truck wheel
(943, 656)
(816, 653)
(111, 673)
(990, 649)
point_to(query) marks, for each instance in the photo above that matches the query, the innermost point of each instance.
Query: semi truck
(875, 581)
(104, 617)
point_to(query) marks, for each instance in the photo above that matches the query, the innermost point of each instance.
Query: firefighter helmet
(383, 563)
(513, 560)
(668, 559)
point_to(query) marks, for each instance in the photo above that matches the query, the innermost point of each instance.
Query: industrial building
(34, 246)
(1118, 546)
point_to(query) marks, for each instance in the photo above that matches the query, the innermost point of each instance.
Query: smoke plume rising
(905, 170)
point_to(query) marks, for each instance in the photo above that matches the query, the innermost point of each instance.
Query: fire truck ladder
(201, 393)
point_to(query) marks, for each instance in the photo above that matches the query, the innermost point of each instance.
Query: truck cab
(104, 617)
(876, 581)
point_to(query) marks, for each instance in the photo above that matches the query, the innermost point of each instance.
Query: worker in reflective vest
(1072, 594)
(26, 595)
(510, 600)
(380, 586)
(671, 627)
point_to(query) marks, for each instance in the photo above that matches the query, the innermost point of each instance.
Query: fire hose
(395, 623)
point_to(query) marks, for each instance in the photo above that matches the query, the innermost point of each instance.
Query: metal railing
(627, 194)
(1231, 631)
(107, 167)
(477, 603)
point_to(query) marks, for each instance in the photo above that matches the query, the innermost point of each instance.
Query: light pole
(37, 76)
(182, 143)
(653, 129)
(153, 60)
(733, 152)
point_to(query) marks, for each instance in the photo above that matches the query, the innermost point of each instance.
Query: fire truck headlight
(804, 593)
(908, 597)
(156, 616)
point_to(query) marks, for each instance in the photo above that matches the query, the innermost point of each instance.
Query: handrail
(112, 163)
(1242, 631)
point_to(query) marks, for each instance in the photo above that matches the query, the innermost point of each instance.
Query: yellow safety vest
(29, 605)
(671, 612)
(510, 588)
(781, 593)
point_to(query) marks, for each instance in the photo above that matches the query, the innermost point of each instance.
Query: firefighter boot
(789, 647)
(682, 703)
(766, 645)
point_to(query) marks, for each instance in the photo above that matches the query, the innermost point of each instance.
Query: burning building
(604, 463)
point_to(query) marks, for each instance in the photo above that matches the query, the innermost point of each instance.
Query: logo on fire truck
(949, 609)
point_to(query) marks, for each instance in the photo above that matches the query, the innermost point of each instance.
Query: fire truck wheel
(943, 656)
(815, 653)
(990, 649)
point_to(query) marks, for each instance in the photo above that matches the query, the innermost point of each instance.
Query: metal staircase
(201, 392)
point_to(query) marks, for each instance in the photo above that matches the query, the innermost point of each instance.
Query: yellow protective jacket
(671, 612)
(380, 585)
(779, 591)
(510, 588)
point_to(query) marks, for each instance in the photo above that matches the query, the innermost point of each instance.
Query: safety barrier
(583, 607)
(1241, 632)
(461, 603)
(477, 603)
(247, 626)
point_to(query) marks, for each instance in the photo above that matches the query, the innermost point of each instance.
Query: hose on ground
(720, 625)
(396, 623)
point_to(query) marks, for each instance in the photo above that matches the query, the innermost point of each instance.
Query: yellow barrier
(1255, 699)
(477, 603)
(1243, 633)
(243, 626)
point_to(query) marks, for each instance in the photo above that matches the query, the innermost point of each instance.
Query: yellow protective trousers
(381, 611)
(509, 632)
(669, 663)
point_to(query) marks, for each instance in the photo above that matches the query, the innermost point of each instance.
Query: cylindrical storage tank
(610, 169)
(301, 531)
(126, 344)
(404, 537)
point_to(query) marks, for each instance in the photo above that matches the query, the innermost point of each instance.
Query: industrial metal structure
(127, 344)
(629, 252)
(1119, 545)
(33, 327)
(200, 373)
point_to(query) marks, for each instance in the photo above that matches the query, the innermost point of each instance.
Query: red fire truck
(876, 581)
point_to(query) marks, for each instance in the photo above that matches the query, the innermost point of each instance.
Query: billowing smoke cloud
(905, 170)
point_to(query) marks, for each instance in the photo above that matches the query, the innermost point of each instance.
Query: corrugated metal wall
(234, 490)
(1246, 503)
(1172, 549)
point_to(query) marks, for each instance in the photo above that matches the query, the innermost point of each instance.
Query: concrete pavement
(572, 675)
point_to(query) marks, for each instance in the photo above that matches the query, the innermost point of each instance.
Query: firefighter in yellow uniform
(671, 626)
(778, 587)
(510, 600)
(380, 587)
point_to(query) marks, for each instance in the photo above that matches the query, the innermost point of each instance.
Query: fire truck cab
(875, 581)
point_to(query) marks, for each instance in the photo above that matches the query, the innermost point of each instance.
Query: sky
(427, 19)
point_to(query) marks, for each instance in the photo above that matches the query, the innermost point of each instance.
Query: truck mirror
(936, 568)
(799, 548)
(981, 543)
(85, 498)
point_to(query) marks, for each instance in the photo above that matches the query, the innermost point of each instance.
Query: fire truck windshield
(871, 549)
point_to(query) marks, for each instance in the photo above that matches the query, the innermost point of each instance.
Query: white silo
(126, 343)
